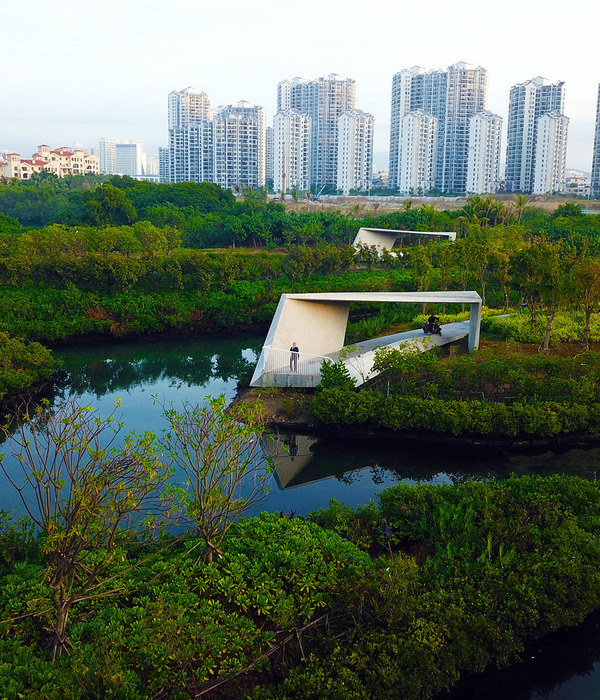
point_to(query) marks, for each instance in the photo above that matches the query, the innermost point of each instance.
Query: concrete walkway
(358, 358)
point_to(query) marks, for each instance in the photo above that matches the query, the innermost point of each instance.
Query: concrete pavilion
(384, 239)
(317, 323)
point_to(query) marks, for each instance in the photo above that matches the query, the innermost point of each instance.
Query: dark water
(315, 470)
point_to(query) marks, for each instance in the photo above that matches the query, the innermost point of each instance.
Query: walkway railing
(278, 361)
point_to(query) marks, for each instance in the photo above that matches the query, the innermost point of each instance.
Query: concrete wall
(318, 327)
(382, 239)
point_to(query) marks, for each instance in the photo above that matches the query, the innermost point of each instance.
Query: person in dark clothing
(294, 352)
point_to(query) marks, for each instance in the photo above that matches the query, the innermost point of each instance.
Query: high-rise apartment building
(188, 107)
(418, 143)
(291, 150)
(550, 154)
(131, 159)
(269, 155)
(529, 101)
(355, 151)
(595, 189)
(107, 154)
(121, 157)
(323, 100)
(466, 95)
(483, 162)
(452, 97)
(240, 136)
(226, 147)
(191, 138)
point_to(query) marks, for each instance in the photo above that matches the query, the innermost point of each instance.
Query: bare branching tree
(227, 469)
(87, 498)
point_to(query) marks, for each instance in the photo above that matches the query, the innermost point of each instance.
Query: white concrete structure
(528, 102)
(240, 145)
(550, 154)
(418, 138)
(384, 238)
(317, 322)
(483, 167)
(355, 151)
(291, 150)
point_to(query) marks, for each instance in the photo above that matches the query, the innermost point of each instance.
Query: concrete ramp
(359, 358)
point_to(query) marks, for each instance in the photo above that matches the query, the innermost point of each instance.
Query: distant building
(190, 154)
(355, 151)
(131, 159)
(152, 166)
(163, 164)
(60, 162)
(187, 107)
(529, 103)
(121, 157)
(240, 149)
(107, 154)
(483, 165)
(226, 146)
(577, 184)
(452, 97)
(418, 141)
(291, 150)
(595, 187)
(380, 178)
(324, 100)
(550, 154)
(269, 155)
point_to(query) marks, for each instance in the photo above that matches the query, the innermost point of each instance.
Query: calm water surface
(144, 375)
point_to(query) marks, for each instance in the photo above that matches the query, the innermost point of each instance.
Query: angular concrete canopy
(317, 323)
(384, 239)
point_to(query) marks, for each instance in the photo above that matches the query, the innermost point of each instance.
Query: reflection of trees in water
(113, 368)
(565, 657)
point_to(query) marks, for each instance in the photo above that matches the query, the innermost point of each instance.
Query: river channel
(146, 375)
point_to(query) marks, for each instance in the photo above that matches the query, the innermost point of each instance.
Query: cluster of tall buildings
(226, 146)
(319, 138)
(118, 157)
(442, 137)
(443, 140)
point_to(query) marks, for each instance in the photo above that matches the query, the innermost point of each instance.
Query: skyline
(106, 68)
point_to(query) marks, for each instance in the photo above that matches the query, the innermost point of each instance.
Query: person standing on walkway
(294, 351)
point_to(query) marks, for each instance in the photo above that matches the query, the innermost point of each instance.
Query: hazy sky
(75, 70)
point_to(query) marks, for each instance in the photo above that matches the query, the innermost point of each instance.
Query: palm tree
(520, 206)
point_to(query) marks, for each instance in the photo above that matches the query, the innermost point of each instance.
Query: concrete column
(474, 325)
